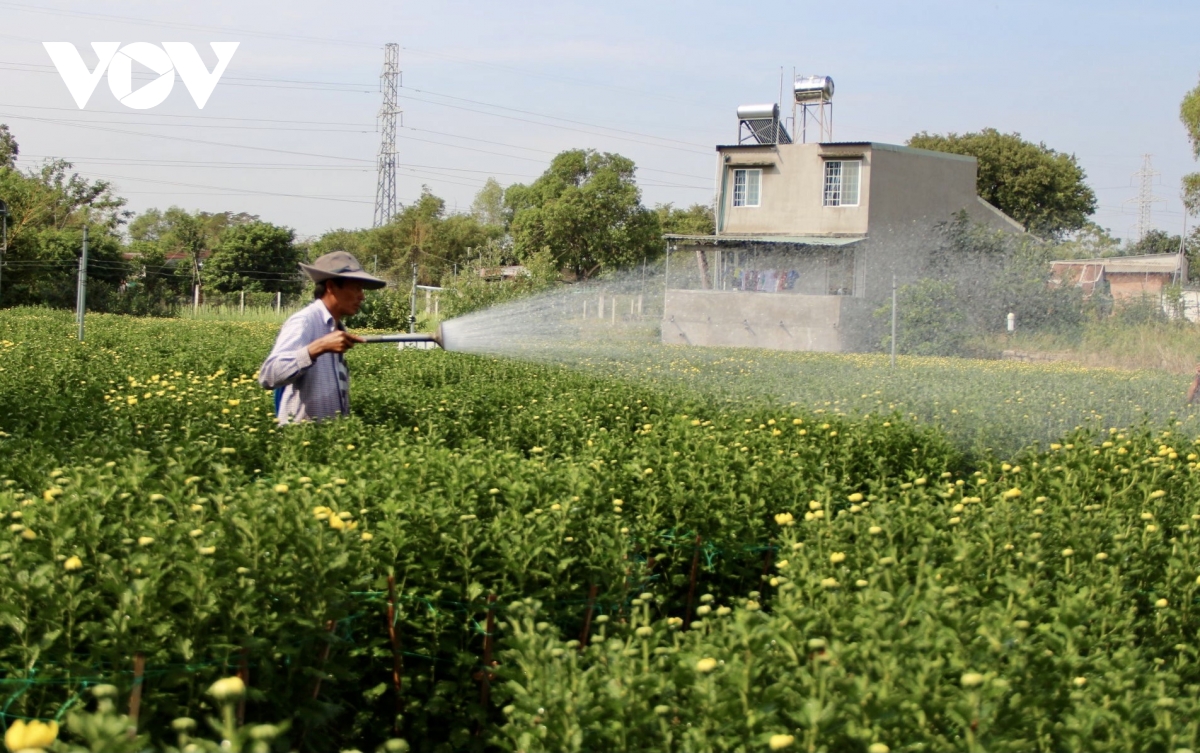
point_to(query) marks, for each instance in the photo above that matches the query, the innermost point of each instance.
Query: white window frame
(741, 192)
(833, 186)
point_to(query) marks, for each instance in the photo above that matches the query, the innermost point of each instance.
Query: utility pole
(385, 191)
(412, 313)
(81, 289)
(1145, 199)
(3, 233)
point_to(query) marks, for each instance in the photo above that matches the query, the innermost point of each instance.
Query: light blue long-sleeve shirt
(312, 389)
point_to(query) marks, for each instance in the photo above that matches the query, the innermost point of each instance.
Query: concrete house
(808, 236)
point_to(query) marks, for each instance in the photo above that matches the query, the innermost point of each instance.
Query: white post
(893, 321)
(600, 312)
(1012, 322)
(278, 301)
(81, 296)
(196, 299)
(639, 308)
(242, 303)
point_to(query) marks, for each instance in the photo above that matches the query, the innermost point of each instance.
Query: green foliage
(929, 320)
(856, 582)
(1003, 610)
(1088, 242)
(1189, 113)
(48, 208)
(697, 219)
(1040, 188)
(189, 551)
(974, 278)
(383, 309)
(586, 210)
(257, 257)
(472, 291)
(1156, 242)
(8, 148)
(488, 206)
(422, 234)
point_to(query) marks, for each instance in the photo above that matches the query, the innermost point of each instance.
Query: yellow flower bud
(34, 735)
(227, 689)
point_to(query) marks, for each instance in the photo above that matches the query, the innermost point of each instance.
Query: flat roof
(795, 240)
(1142, 264)
(872, 144)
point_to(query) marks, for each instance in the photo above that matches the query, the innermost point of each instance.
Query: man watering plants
(307, 368)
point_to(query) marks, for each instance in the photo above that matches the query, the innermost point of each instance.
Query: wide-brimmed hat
(341, 265)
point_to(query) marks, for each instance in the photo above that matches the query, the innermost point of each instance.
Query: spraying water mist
(619, 326)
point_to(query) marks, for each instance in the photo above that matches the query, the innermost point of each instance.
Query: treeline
(580, 218)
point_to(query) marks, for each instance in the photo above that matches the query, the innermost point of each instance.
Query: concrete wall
(753, 320)
(920, 188)
(900, 189)
(793, 180)
(1133, 286)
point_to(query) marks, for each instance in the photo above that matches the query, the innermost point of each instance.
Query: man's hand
(334, 342)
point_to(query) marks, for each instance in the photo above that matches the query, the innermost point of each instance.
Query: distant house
(510, 272)
(808, 238)
(1126, 277)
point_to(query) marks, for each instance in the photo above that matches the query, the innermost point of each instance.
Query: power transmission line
(385, 189)
(1146, 199)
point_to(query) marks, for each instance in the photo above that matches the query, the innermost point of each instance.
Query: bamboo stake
(397, 656)
(486, 690)
(324, 657)
(244, 674)
(135, 696)
(485, 675)
(587, 617)
(687, 620)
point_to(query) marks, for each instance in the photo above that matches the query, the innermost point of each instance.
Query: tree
(1088, 242)
(258, 257)
(1040, 188)
(587, 211)
(8, 148)
(1156, 242)
(1189, 113)
(488, 207)
(168, 247)
(697, 219)
(421, 233)
(48, 209)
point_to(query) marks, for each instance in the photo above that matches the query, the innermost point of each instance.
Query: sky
(496, 89)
